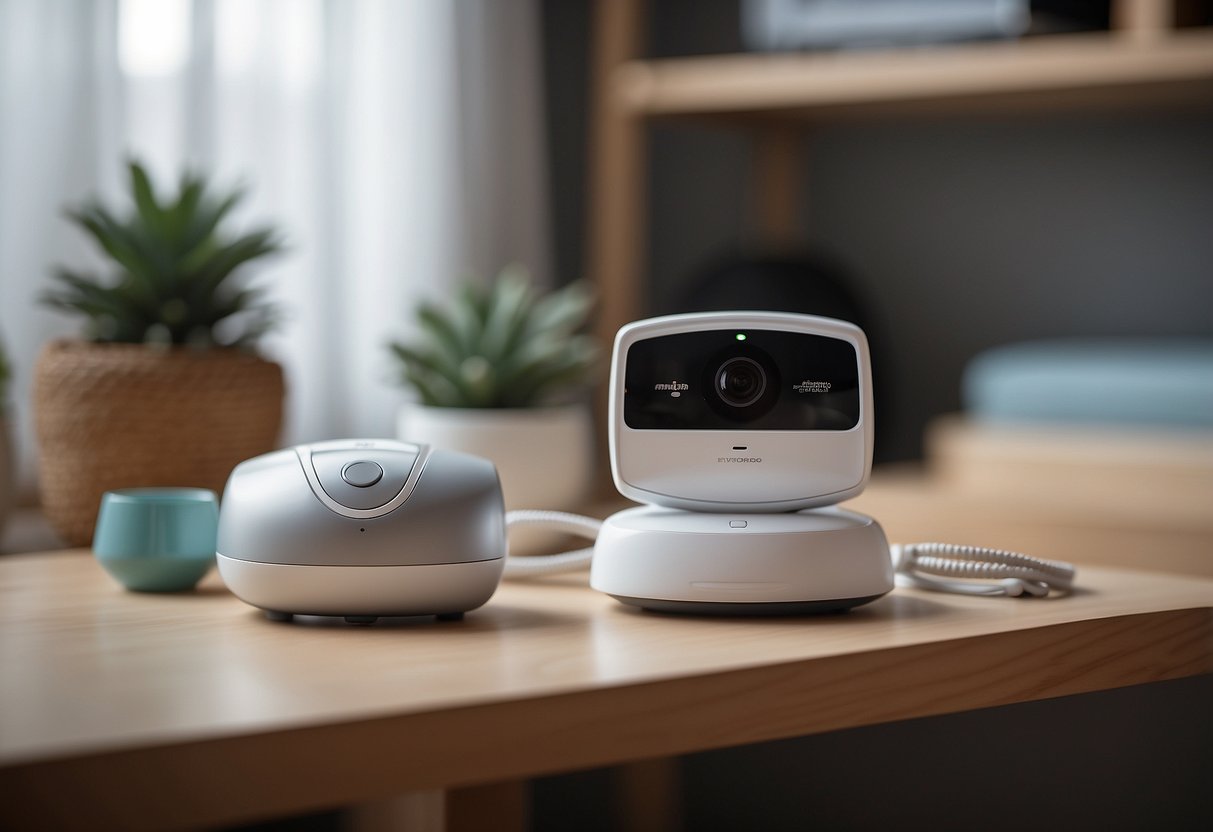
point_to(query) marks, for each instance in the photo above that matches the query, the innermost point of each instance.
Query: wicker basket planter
(123, 415)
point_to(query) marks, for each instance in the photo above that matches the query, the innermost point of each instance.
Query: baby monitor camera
(744, 411)
(741, 430)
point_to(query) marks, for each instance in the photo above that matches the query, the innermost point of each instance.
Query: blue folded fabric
(1148, 382)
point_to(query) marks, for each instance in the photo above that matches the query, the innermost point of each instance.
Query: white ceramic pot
(544, 456)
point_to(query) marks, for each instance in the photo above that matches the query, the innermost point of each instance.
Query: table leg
(648, 796)
(502, 807)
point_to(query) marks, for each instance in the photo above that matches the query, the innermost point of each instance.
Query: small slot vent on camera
(741, 447)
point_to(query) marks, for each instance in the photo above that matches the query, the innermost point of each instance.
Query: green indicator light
(740, 336)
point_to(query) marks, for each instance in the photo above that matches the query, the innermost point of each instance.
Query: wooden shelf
(1099, 68)
(1148, 62)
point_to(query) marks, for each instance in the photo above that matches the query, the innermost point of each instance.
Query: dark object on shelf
(1051, 16)
(808, 283)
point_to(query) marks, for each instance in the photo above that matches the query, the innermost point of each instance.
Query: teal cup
(157, 539)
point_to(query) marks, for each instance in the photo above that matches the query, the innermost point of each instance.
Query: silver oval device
(363, 529)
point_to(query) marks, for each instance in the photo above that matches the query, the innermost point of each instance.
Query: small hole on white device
(741, 447)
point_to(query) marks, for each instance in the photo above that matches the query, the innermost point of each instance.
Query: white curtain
(397, 143)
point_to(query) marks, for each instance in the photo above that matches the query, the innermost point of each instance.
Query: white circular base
(682, 561)
(428, 589)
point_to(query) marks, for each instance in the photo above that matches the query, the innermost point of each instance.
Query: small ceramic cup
(157, 539)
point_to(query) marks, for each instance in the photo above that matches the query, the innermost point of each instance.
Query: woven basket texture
(126, 416)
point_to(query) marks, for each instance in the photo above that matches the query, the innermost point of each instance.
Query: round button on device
(362, 474)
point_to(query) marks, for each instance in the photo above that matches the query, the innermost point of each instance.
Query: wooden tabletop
(155, 711)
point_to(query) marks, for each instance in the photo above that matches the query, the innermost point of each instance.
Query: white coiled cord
(987, 571)
(943, 567)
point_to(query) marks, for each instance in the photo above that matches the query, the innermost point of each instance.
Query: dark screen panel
(750, 379)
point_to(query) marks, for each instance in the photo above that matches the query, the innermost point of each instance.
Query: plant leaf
(440, 328)
(510, 304)
(563, 311)
(145, 198)
(538, 384)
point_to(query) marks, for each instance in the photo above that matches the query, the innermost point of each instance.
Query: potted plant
(6, 448)
(166, 388)
(501, 373)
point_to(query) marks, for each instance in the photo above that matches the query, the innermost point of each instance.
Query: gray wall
(963, 233)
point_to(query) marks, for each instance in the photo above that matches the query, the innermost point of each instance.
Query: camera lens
(741, 381)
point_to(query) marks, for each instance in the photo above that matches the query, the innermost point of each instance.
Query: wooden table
(120, 710)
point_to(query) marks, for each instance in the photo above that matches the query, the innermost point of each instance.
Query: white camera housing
(736, 427)
(740, 411)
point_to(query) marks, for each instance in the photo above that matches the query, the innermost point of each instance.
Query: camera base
(806, 562)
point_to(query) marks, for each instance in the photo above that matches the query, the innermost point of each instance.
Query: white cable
(988, 571)
(933, 566)
(559, 521)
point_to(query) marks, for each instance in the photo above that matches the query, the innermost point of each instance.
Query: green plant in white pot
(502, 372)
